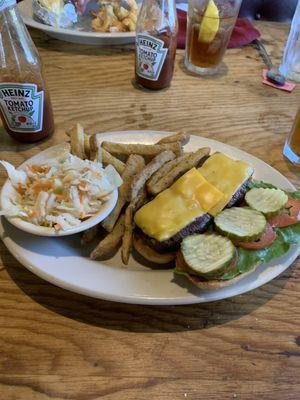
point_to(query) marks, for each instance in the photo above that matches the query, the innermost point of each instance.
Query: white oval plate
(7, 192)
(64, 263)
(73, 35)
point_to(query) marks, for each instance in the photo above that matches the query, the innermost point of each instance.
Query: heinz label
(22, 106)
(150, 56)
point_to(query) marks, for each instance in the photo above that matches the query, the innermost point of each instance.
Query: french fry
(129, 224)
(178, 137)
(89, 235)
(110, 242)
(77, 141)
(133, 165)
(140, 179)
(149, 150)
(165, 169)
(184, 166)
(68, 131)
(95, 148)
(108, 158)
(87, 146)
(101, 155)
(149, 253)
(140, 199)
(127, 237)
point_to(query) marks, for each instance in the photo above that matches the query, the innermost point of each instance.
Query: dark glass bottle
(25, 106)
(156, 41)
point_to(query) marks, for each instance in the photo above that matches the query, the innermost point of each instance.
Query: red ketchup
(156, 41)
(25, 107)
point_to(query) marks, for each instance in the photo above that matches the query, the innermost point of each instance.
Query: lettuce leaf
(260, 184)
(249, 259)
(295, 195)
(179, 272)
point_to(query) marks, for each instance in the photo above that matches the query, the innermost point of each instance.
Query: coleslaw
(60, 193)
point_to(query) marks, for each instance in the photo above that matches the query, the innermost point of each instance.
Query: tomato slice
(180, 263)
(266, 240)
(233, 264)
(289, 216)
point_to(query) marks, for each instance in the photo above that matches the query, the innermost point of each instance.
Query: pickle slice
(208, 255)
(267, 201)
(241, 223)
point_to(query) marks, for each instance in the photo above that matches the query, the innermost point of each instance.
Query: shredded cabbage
(60, 193)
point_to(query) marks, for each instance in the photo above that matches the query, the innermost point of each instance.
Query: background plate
(76, 35)
(64, 263)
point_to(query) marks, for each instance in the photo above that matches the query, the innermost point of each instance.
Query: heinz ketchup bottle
(25, 106)
(156, 41)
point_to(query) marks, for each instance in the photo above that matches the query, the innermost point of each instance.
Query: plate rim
(131, 299)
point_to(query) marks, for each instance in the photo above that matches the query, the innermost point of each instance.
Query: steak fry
(141, 149)
(140, 179)
(134, 205)
(108, 158)
(179, 137)
(95, 148)
(133, 166)
(165, 169)
(185, 165)
(101, 155)
(110, 242)
(77, 141)
(127, 237)
(89, 235)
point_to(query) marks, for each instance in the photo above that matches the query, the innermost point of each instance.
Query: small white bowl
(7, 193)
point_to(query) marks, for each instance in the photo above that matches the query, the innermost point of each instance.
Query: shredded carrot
(39, 168)
(89, 215)
(33, 213)
(81, 197)
(60, 196)
(102, 196)
(39, 186)
(20, 189)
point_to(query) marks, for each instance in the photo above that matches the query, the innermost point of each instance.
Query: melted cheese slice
(190, 197)
(225, 174)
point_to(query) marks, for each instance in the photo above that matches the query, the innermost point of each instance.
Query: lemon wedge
(210, 23)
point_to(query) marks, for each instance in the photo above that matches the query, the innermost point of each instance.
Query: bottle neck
(157, 16)
(18, 54)
(6, 3)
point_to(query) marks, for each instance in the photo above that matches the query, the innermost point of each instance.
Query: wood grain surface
(56, 345)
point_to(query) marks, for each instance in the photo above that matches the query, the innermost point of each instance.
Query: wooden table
(59, 345)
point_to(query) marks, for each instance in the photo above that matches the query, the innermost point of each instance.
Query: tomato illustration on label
(22, 119)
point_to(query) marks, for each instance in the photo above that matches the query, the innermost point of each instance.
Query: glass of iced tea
(291, 148)
(210, 23)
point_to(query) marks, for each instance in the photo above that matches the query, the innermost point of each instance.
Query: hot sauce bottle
(156, 41)
(25, 106)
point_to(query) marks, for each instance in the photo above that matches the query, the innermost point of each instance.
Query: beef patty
(199, 225)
